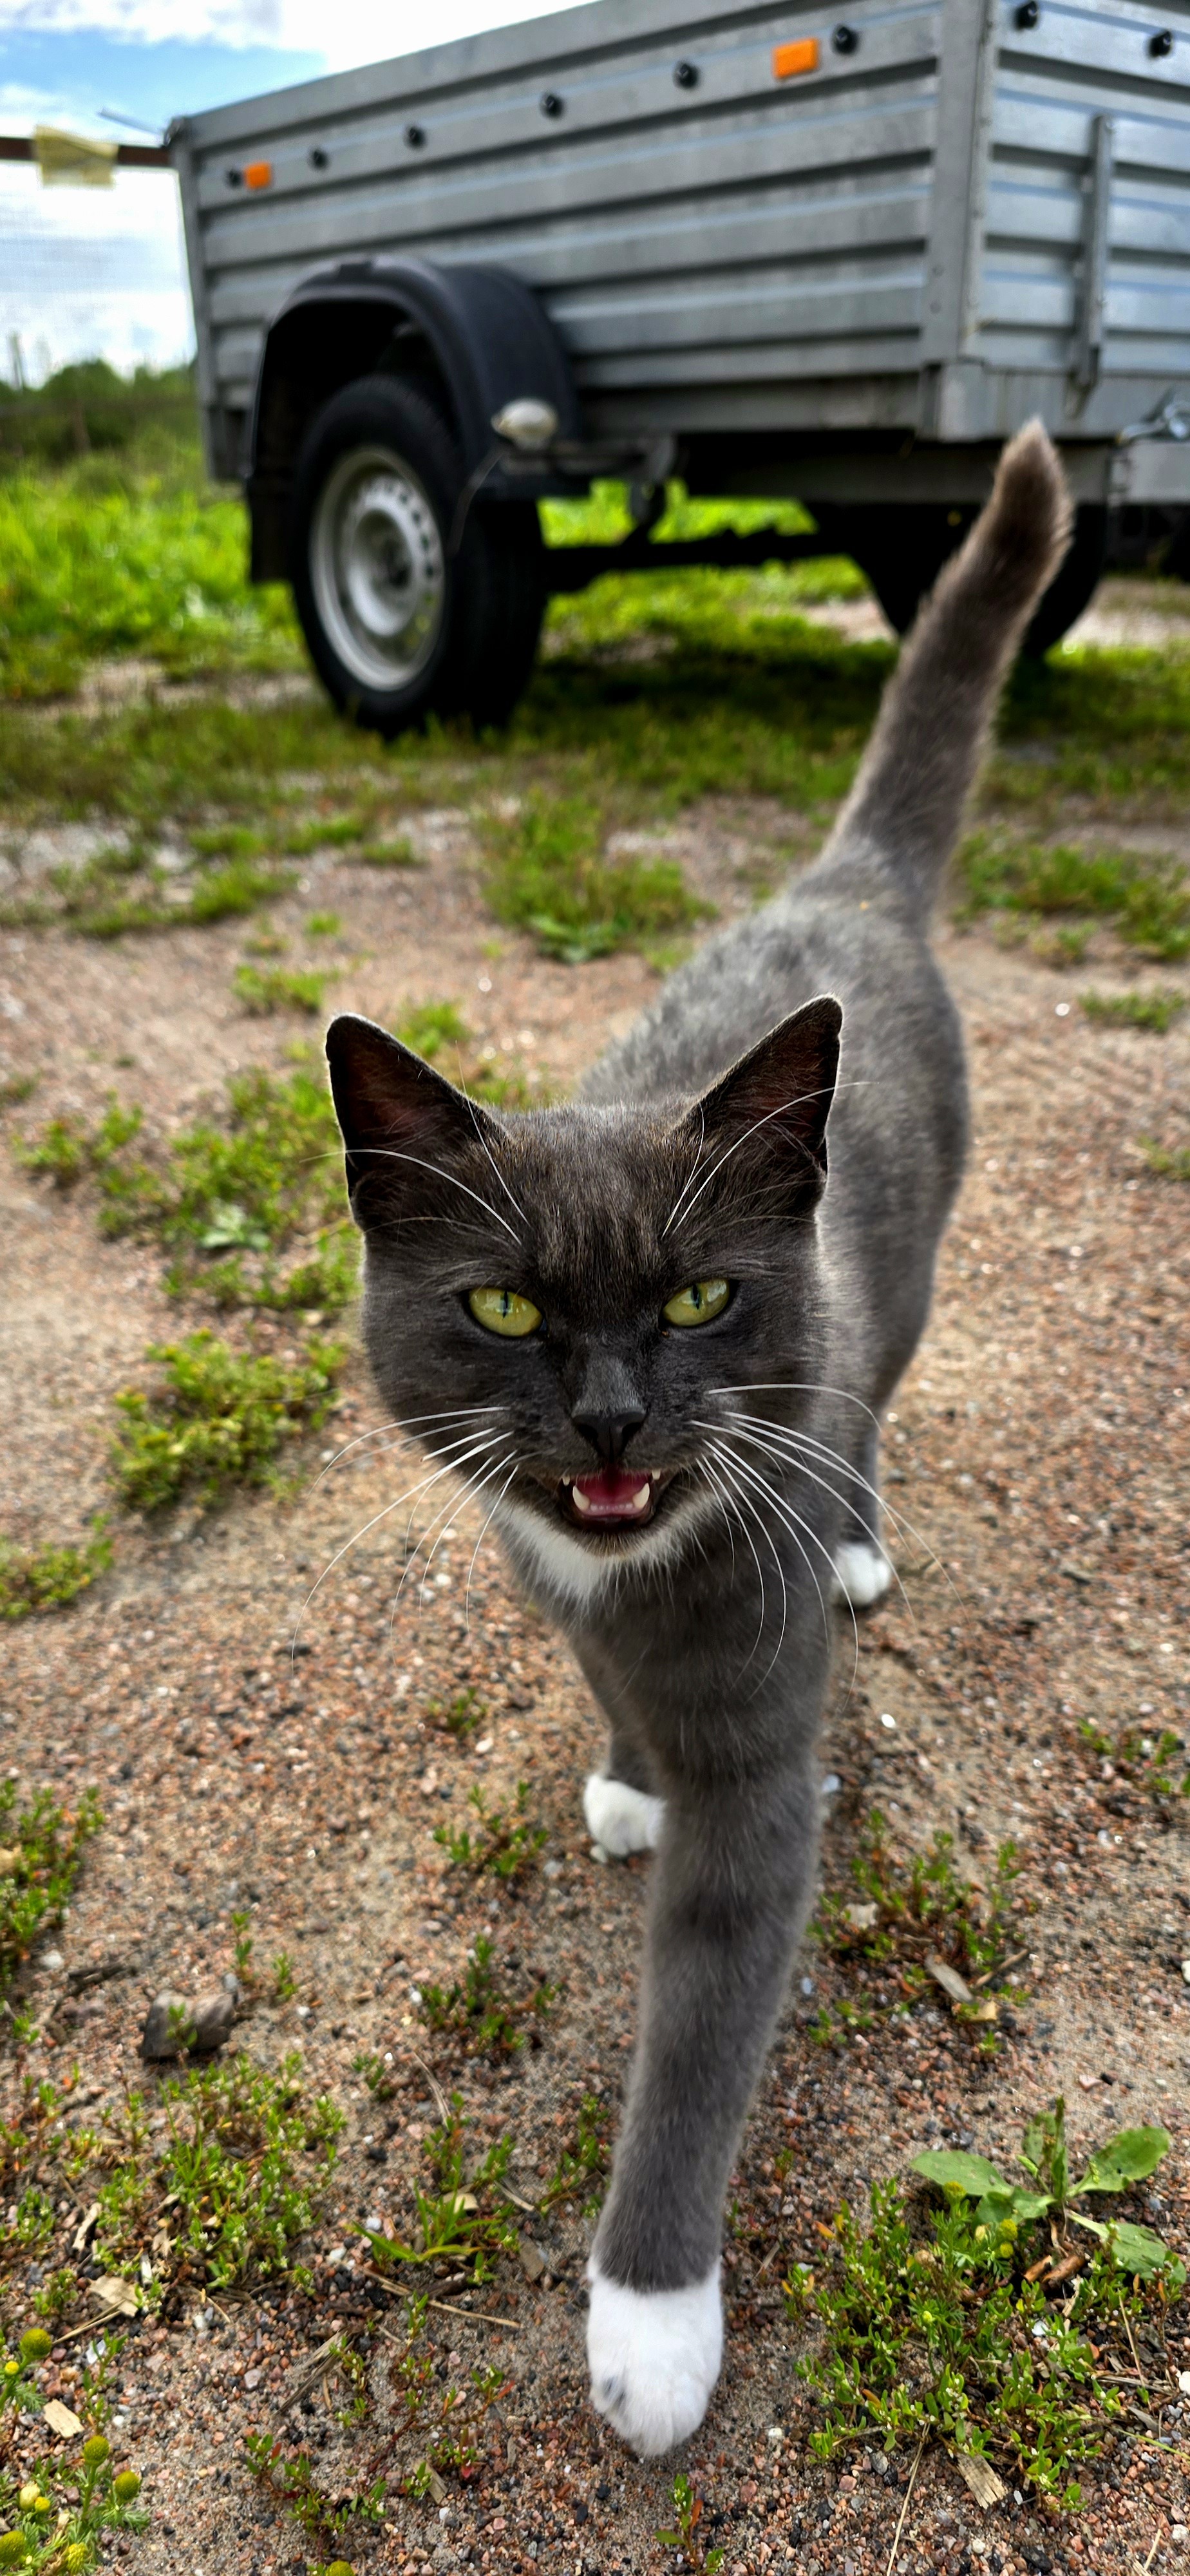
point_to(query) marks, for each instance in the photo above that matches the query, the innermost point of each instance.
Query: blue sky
(88, 272)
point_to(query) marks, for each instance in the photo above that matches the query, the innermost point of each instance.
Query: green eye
(500, 1310)
(697, 1304)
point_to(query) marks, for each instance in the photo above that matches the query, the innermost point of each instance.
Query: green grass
(547, 872)
(322, 925)
(252, 1209)
(943, 2325)
(48, 1578)
(41, 1851)
(261, 991)
(1146, 900)
(218, 1419)
(102, 562)
(1156, 1011)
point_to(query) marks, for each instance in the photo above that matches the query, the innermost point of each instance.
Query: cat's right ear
(397, 1116)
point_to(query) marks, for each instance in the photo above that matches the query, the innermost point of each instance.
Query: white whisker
(389, 1154)
(790, 1520)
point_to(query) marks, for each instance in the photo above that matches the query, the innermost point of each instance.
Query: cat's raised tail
(903, 815)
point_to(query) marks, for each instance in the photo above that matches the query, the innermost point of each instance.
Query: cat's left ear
(780, 1093)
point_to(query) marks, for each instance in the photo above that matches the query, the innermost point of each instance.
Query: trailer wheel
(397, 627)
(903, 553)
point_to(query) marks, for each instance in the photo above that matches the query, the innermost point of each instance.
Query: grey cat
(655, 1339)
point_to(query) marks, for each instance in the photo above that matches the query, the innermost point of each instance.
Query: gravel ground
(1038, 1460)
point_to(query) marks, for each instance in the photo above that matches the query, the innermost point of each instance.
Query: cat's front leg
(732, 1886)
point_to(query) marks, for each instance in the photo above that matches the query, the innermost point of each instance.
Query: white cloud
(359, 31)
(89, 273)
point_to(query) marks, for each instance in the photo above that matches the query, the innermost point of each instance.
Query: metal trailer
(741, 241)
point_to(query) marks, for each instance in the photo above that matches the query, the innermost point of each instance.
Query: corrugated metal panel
(736, 232)
(1086, 60)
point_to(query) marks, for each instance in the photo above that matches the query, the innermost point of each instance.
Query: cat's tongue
(612, 1496)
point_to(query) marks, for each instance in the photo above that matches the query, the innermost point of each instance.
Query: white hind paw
(654, 2357)
(619, 1819)
(862, 1574)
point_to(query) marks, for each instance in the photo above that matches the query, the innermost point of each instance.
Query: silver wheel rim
(377, 568)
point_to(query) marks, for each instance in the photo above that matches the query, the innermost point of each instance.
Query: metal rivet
(685, 75)
(319, 160)
(550, 103)
(1161, 44)
(415, 136)
(234, 178)
(1029, 13)
(845, 40)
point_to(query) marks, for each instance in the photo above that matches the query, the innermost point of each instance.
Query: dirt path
(1039, 1458)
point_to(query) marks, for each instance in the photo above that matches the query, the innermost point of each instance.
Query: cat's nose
(610, 1433)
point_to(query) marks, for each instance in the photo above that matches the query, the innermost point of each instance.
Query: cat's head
(558, 1303)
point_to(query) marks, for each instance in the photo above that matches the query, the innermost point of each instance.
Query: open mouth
(610, 1498)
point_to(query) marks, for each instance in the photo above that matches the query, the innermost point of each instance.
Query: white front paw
(862, 1574)
(620, 1819)
(654, 2357)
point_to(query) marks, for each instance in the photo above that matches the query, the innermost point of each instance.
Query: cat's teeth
(640, 1502)
(579, 1500)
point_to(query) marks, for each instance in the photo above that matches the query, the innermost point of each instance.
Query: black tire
(903, 551)
(397, 627)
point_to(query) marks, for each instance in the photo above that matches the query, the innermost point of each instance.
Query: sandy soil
(1038, 1460)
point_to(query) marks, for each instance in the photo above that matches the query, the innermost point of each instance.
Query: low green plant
(47, 1578)
(244, 1947)
(585, 2162)
(284, 1980)
(685, 2535)
(1128, 2157)
(430, 1027)
(547, 873)
(376, 2073)
(229, 2189)
(461, 1716)
(398, 853)
(461, 2219)
(40, 1859)
(506, 1843)
(1149, 1762)
(322, 925)
(1156, 1011)
(56, 2514)
(473, 2009)
(252, 1209)
(16, 1087)
(1173, 1163)
(220, 1418)
(952, 2332)
(263, 990)
(1146, 899)
(291, 2478)
(911, 1913)
(64, 1151)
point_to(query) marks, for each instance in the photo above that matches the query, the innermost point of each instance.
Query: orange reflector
(789, 60)
(259, 174)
